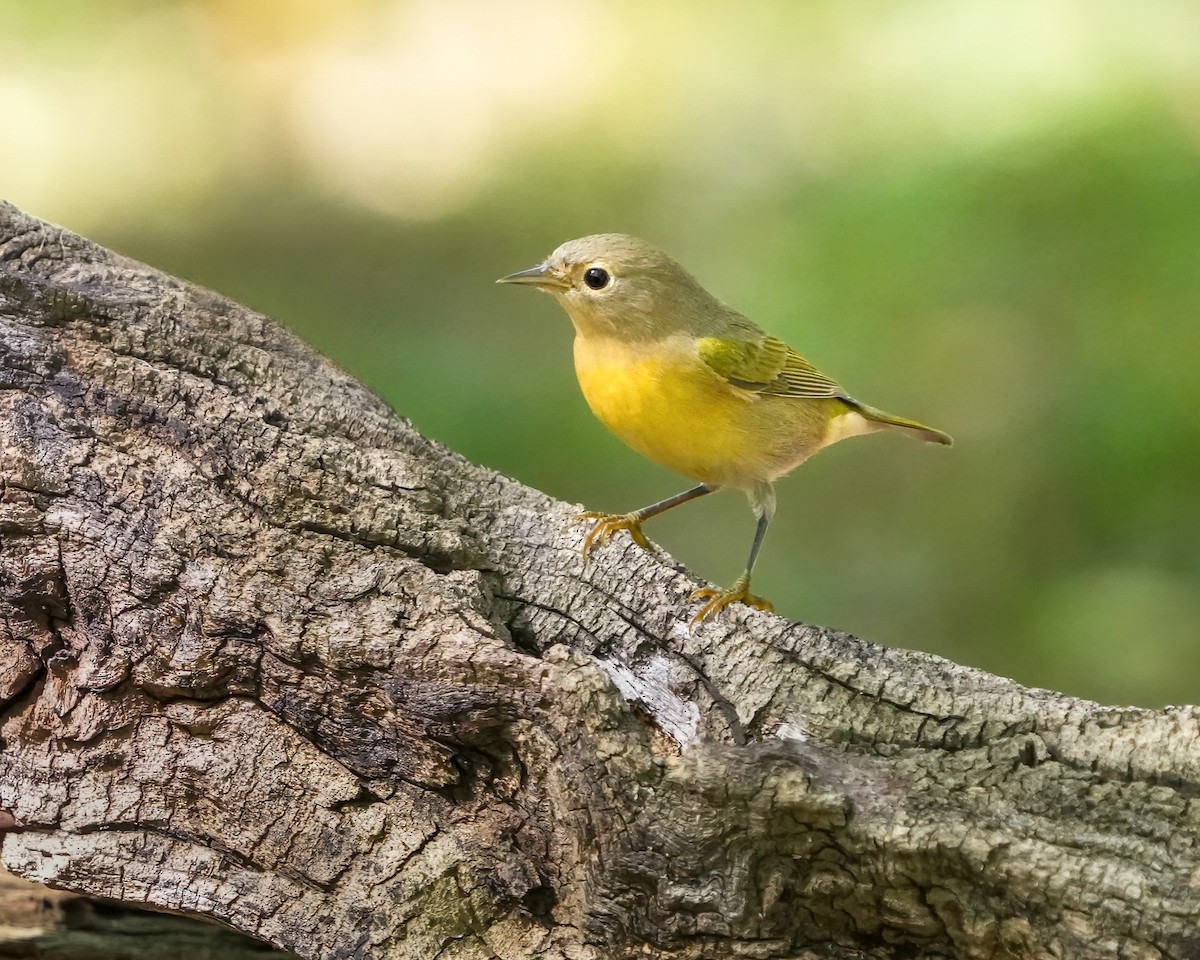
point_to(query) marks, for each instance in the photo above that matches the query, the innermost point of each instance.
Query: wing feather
(767, 366)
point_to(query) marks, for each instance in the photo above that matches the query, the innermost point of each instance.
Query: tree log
(40, 924)
(270, 657)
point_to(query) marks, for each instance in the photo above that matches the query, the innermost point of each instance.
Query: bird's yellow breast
(667, 404)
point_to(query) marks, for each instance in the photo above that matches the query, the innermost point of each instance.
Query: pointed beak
(539, 276)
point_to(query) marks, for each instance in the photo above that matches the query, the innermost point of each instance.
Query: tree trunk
(270, 657)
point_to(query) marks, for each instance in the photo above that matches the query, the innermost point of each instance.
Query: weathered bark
(271, 657)
(44, 925)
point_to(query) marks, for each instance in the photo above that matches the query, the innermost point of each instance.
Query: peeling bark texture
(270, 657)
(39, 924)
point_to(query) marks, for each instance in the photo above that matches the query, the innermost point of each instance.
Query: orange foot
(609, 523)
(719, 599)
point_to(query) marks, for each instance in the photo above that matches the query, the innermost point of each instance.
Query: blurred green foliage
(986, 219)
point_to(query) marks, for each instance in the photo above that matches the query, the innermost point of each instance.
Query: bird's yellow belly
(671, 408)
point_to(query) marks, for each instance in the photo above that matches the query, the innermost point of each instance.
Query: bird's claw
(609, 523)
(718, 599)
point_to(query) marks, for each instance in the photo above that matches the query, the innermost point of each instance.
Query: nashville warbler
(694, 386)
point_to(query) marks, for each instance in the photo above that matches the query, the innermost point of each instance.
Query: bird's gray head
(617, 285)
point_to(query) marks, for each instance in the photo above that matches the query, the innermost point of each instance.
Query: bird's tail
(911, 427)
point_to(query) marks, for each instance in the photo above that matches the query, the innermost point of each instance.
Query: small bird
(693, 385)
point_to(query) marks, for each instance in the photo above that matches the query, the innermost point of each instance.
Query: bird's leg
(718, 599)
(609, 523)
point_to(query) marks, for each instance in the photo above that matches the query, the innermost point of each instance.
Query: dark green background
(983, 216)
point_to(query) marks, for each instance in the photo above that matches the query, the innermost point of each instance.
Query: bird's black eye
(596, 277)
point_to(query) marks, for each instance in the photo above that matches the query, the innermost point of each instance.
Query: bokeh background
(982, 215)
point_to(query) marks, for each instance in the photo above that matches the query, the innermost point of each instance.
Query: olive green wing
(766, 365)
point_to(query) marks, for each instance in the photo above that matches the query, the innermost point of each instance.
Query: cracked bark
(269, 656)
